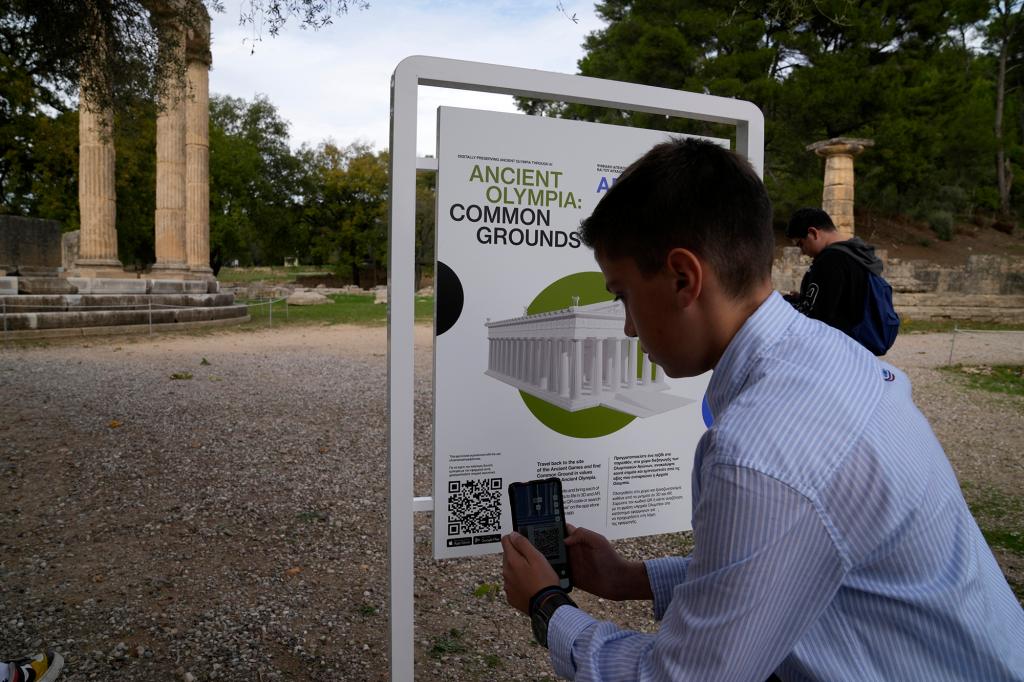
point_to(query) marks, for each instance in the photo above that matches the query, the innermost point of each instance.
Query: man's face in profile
(651, 310)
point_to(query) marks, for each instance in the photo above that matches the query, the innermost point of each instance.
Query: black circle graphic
(448, 296)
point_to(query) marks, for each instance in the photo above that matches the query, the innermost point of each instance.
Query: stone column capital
(849, 146)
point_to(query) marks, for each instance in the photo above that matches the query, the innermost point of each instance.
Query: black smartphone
(538, 514)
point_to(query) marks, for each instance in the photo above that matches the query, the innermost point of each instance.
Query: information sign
(534, 376)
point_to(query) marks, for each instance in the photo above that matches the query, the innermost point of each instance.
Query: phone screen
(538, 514)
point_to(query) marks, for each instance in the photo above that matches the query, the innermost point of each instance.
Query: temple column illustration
(578, 358)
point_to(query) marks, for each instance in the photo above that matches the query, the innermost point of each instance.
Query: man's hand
(525, 569)
(598, 568)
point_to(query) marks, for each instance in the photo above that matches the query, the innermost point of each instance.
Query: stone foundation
(111, 305)
(986, 289)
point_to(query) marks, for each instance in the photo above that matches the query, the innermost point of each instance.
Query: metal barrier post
(270, 313)
(150, 317)
(4, 305)
(952, 342)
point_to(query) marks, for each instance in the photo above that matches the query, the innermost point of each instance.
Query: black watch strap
(542, 608)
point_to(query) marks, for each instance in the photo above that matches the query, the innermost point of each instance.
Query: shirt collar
(761, 331)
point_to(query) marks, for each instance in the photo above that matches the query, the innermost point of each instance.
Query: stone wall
(29, 246)
(986, 289)
(69, 249)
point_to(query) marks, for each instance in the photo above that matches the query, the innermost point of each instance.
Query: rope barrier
(140, 307)
(129, 306)
(956, 330)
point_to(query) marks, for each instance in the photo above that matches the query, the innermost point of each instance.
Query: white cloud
(335, 83)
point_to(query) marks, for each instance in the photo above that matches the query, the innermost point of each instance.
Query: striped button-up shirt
(831, 539)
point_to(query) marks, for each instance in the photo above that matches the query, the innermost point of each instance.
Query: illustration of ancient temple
(577, 358)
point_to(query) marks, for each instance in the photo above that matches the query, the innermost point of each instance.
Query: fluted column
(552, 365)
(631, 363)
(577, 368)
(97, 197)
(197, 169)
(170, 174)
(563, 369)
(645, 369)
(616, 371)
(837, 196)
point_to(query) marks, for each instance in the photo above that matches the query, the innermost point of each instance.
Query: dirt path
(232, 525)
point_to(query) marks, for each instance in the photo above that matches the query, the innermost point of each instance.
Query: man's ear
(688, 272)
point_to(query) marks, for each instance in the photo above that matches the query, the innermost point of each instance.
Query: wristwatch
(542, 607)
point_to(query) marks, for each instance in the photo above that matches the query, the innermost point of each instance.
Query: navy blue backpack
(878, 328)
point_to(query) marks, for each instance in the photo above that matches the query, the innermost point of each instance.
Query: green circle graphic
(592, 422)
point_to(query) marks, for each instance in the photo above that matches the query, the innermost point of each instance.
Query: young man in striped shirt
(831, 540)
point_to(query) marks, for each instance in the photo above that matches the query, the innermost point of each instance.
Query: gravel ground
(232, 525)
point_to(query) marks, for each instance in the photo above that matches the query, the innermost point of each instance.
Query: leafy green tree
(1006, 20)
(895, 71)
(426, 201)
(57, 42)
(135, 183)
(346, 212)
(256, 184)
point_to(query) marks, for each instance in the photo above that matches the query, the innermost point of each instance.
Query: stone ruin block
(31, 244)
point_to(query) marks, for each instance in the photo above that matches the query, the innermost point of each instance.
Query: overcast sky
(335, 83)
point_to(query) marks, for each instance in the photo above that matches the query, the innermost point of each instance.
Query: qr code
(474, 506)
(546, 539)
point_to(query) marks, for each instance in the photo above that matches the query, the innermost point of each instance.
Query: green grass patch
(346, 309)
(1008, 379)
(449, 643)
(1001, 520)
(312, 517)
(489, 590)
(1000, 517)
(934, 326)
(270, 275)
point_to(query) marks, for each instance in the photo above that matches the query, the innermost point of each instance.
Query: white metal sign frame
(411, 73)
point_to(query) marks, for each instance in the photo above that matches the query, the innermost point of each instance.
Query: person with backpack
(844, 287)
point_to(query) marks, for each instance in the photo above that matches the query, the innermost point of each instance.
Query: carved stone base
(200, 272)
(170, 271)
(96, 268)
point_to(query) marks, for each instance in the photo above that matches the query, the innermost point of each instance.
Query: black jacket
(834, 288)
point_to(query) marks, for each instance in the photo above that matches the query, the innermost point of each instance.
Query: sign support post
(411, 73)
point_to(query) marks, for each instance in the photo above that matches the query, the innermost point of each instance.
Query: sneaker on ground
(39, 668)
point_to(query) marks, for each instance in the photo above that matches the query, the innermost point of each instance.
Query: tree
(893, 71)
(1004, 24)
(256, 183)
(112, 47)
(346, 213)
(426, 202)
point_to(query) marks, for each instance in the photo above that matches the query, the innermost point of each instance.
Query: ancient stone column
(197, 152)
(837, 197)
(170, 173)
(97, 198)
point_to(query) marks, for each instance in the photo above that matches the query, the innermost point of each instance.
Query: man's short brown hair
(691, 194)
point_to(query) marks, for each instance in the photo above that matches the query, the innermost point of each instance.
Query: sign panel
(534, 376)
